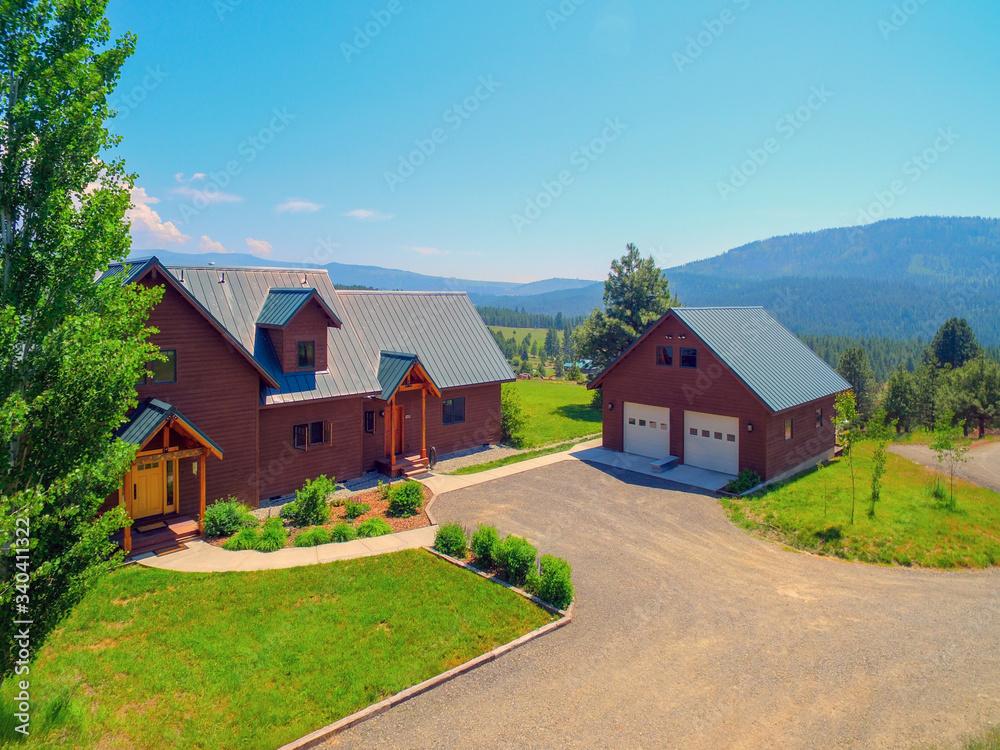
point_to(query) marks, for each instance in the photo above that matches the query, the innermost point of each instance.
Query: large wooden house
(272, 377)
(722, 389)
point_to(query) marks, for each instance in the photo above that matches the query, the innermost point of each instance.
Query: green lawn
(156, 659)
(516, 458)
(556, 411)
(537, 334)
(911, 526)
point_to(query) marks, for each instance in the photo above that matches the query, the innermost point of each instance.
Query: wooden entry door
(149, 489)
(395, 446)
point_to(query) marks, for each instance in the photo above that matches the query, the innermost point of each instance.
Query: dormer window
(307, 355)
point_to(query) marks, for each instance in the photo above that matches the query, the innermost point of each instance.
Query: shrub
(485, 541)
(225, 518)
(747, 480)
(313, 537)
(450, 540)
(245, 538)
(273, 535)
(512, 417)
(405, 499)
(384, 491)
(354, 510)
(516, 558)
(374, 527)
(555, 584)
(343, 532)
(310, 506)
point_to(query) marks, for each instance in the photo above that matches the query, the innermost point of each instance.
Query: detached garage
(722, 389)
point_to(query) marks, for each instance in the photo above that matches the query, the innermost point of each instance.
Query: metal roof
(236, 296)
(128, 271)
(443, 329)
(770, 359)
(147, 419)
(392, 369)
(281, 305)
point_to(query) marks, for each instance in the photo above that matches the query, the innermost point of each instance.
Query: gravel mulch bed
(366, 481)
(474, 457)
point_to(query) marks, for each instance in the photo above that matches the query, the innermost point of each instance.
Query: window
(789, 429)
(718, 436)
(665, 356)
(370, 422)
(316, 433)
(166, 372)
(642, 422)
(689, 358)
(454, 410)
(706, 433)
(170, 483)
(693, 430)
(300, 437)
(631, 420)
(307, 354)
(730, 438)
(819, 418)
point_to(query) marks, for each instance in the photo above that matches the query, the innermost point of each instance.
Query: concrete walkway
(201, 557)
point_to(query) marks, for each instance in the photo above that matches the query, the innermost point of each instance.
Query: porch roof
(393, 367)
(149, 417)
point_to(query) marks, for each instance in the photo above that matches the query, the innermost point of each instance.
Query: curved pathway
(689, 633)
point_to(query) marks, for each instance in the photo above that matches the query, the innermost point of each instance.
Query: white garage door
(647, 430)
(712, 442)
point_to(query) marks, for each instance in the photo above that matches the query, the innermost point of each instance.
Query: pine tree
(854, 368)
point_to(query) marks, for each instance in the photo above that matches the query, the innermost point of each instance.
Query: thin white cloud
(425, 250)
(203, 193)
(148, 229)
(364, 214)
(259, 247)
(208, 245)
(298, 206)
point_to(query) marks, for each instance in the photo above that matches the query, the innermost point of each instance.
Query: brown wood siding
(481, 426)
(218, 390)
(712, 389)
(283, 469)
(807, 442)
(309, 324)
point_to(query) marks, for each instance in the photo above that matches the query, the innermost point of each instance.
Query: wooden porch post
(392, 433)
(128, 509)
(201, 493)
(423, 422)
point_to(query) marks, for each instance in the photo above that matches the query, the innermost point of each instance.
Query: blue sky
(520, 141)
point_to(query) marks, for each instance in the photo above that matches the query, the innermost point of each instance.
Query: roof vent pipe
(222, 277)
(182, 276)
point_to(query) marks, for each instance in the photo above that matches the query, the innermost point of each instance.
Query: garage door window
(693, 430)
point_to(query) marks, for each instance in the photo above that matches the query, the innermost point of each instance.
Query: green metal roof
(128, 272)
(770, 359)
(149, 416)
(392, 368)
(281, 305)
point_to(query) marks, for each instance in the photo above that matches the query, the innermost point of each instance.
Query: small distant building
(586, 366)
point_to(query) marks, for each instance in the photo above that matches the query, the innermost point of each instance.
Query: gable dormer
(296, 320)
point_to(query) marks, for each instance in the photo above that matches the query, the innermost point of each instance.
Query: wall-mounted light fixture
(611, 405)
(382, 413)
(749, 426)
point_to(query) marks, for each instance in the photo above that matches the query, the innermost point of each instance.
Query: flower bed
(378, 508)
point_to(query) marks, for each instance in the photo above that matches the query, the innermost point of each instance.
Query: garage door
(647, 430)
(712, 442)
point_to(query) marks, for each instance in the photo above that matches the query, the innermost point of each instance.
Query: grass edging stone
(320, 736)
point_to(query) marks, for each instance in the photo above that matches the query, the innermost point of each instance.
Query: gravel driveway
(982, 468)
(689, 633)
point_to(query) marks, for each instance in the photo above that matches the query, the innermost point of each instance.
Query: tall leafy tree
(71, 350)
(973, 392)
(901, 398)
(635, 294)
(854, 368)
(955, 344)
